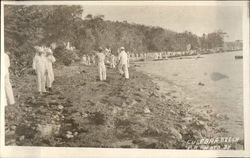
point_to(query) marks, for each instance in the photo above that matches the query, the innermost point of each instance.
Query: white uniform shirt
(84, 58)
(113, 58)
(7, 64)
(49, 60)
(100, 58)
(39, 63)
(123, 58)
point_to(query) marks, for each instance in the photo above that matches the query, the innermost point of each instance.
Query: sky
(196, 19)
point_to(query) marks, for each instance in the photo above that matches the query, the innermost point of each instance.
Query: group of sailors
(42, 64)
(44, 59)
(105, 57)
(88, 59)
(160, 55)
(151, 55)
(110, 58)
(182, 53)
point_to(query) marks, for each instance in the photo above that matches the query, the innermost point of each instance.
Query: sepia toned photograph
(128, 75)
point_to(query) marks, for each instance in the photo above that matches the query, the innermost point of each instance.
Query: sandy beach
(84, 112)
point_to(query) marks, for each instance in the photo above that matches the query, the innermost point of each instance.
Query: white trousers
(113, 64)
(88, 62)
(93, 60)
(41, 79)
(49, 78)
(8, 91)
(102, 71)
(123, 69)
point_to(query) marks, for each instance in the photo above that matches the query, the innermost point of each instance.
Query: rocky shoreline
(84, 112)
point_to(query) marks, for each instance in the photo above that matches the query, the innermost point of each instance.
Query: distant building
(232, 46)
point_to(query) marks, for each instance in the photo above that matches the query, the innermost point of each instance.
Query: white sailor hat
(49, 51)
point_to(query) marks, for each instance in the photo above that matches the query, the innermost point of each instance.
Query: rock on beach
(116, 113)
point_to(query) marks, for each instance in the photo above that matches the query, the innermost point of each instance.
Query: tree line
(28, 25)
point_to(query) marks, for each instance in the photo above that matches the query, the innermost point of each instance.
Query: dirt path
(84, 112)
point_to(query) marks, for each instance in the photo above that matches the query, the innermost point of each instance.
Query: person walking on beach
(9, 97)
(108, 51)
(50, 59)
(93, 59)
(101, 64)
(123, 63)
(39, 65)
(84, 59)
(128, 56)
(88, 60)
(112, 61)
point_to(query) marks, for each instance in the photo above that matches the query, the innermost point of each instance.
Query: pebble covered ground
(82, 111)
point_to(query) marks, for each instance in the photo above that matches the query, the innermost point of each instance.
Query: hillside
(27, 26)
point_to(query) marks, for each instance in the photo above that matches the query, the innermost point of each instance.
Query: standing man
(93, 59)
(9, 97)
(88, 60)
(123, 63)
(128, 56)
(112, 61)
(108, 51)
(101, 64)
(84, 59)
(39, 65)
(50, 73)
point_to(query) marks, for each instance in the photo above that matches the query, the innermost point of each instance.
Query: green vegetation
(27, 26)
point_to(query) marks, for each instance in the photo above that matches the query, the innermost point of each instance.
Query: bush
(65, 56)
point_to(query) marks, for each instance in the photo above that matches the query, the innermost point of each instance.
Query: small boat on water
(238, 57)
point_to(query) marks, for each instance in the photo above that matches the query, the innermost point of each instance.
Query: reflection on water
(215, 80)
(215, 76)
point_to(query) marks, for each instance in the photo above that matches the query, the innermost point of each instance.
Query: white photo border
(21, 152)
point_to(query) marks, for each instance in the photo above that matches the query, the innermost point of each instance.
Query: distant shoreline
(180, 57)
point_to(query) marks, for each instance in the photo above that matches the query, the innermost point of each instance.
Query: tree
(215, 39)
(27, 26)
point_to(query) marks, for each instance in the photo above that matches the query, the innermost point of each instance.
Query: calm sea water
(225, 95)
